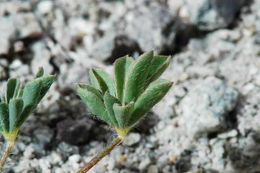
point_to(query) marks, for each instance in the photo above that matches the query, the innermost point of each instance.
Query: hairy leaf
(46, 83)
(109, 101)
(106, 80)
(31, 93)
(27, 110)
(123, 114)
(136, 78)
(39, 73)
(4, 117)
(95, 82)
(11, 88)
(15, 109)
(91, 89)
(102, 81)
(94, 104)
(152, 95)
(158, 66)
(121, 67)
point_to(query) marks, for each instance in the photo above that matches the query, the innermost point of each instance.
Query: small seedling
(17, 103)
(121, 102)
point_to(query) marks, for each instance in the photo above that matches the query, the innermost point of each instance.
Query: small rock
(41, 58)
(27, 26)
(113, 46)
(29, 152)
(152, 169)
(132, 139)
(45, 7)
(75, 132)
(144, 163)
(75, 158)
(213, 14)
(205, 107)
(43, 135)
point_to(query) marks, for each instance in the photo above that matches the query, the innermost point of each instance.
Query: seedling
(17, 103)
(121, 102)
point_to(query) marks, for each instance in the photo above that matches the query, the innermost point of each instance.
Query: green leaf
(39, 73)
(15, 109)
(46, 83)
(105, 80)
(95, 82)
(136, 77)
(94, 104)
(18, 90)
(152, 95)
(27, 110)
(102, 81)
(123, 114)
(158, 66)
(4, 117)
(11, 86)
(121, 67)
(91, 89)
(109, 101)
(31, 93)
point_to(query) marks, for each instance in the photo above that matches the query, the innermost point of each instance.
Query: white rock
(132, 139)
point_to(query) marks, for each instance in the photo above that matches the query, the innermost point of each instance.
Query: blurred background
(208, 122)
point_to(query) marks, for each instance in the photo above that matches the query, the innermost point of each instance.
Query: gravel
(208, 122)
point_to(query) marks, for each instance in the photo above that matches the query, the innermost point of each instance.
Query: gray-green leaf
(94, 104)
(15, 109)
(121, 67)
(109, 101)
(91, 89)
(152, 95)
(158, 66)
(11, 88)
(102, 81)
(123, 114)
(136, 78)
(4, 117)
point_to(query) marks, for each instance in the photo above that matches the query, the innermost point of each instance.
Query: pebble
(132, 139)
(152, 169)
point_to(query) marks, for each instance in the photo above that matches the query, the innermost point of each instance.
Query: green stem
(100, 155)
(9, 147)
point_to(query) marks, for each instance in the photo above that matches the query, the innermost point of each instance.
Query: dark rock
(147, 124)
(213, 14)
(184, 163)
(76, 132)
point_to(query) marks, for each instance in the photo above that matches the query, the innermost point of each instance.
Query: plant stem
(8, 149)
(100, 155)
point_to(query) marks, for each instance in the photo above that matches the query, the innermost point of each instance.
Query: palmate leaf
(4, 117)
(12, 88)
(31, 93)
(15, 109)
(121, 67)
(40, 73)
(94, 103)
(152, 95)
(46, 83)
(102, 81)
(121, 103)
(23, 116)
(136, 78)
(109, 101)
(91, 89)
(123, 114)
(158, 66)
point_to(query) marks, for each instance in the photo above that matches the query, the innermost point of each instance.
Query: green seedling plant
(17, 103)
(123, 100)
